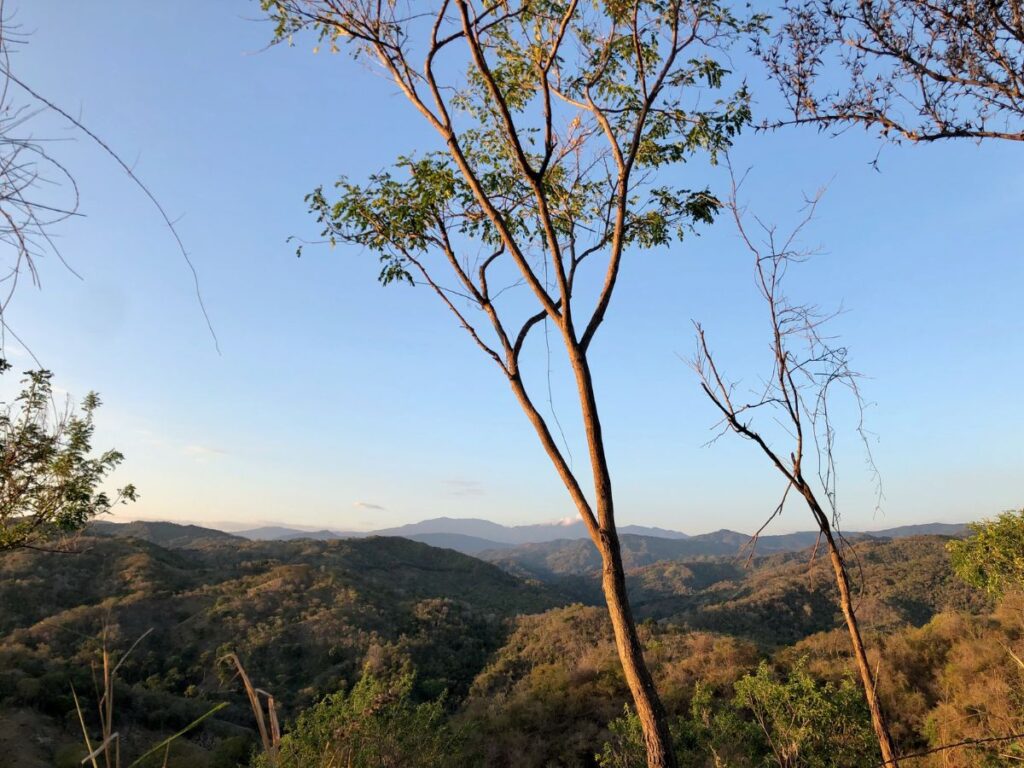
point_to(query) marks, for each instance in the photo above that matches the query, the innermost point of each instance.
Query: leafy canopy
(992, 558)
(49, 479)
(555, 118)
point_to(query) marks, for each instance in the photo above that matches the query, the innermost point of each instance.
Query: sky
(335, 402)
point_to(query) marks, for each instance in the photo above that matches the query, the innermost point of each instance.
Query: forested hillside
(554, 559)
(304, 616)
(524, 685)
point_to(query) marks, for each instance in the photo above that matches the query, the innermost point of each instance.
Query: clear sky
(339, 403)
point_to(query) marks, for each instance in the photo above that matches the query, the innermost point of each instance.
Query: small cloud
(562, 522)
(461, 488)
(368, 505)
(202, 451)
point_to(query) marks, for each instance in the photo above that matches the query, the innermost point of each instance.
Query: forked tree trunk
(860, 655)
(601, 526)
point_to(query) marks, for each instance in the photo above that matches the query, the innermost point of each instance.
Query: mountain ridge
(536, 533)
(479, 537)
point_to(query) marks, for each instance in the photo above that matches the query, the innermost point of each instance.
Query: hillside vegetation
(304, 615)
(525, 677)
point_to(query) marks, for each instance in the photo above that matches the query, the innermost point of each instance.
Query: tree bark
(649, 709)
(860, 655)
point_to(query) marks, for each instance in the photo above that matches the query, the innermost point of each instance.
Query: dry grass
(107, 751)
(267, 723)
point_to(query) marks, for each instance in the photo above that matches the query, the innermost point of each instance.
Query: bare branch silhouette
(32, 180)
(806, 368)
(914, 70)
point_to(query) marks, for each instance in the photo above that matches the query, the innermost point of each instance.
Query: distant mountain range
(468, 535)
(532, 544)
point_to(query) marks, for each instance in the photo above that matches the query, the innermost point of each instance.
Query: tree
(49, 479)
(792, 722)
(916, 70)
(552, 139)
(992, 558)
(805, 371)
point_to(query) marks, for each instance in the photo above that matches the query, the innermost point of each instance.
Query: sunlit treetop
(992, 557)
(554, 118)
(915, 70)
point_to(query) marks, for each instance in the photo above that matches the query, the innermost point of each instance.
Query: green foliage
(635, 86)
(550, 695)
(805, 723)
(797, 722)
(375, 725)
(992, 558)
(49, 479)
(304, 615)
(625, 745)
(777, 600)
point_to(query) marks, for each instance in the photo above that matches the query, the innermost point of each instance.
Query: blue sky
(339, 403)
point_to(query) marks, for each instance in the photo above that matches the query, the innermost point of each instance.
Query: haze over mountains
(462, 534)
(474, 536)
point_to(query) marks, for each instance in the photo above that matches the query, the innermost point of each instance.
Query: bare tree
(37, 191)
(917, 70)
(555, 118)
(806, 369)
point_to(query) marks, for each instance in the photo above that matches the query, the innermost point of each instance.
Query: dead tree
(916, 70)
(37, 191)
(806, 368)
(554, 118)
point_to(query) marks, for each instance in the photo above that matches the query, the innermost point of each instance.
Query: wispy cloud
(202, 451)
(368, 505)
(460, 488)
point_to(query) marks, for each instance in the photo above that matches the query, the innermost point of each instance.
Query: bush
(793, 723)
(375, 725)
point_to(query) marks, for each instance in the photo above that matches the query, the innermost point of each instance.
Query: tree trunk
(601, 527)
(649, 709)
(866, 677)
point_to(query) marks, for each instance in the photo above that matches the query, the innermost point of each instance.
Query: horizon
(346, 406)
(237, 527)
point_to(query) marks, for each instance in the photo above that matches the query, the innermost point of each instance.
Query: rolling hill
(303, 615)
(170, 535)
(307, 615)
(553, 560)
